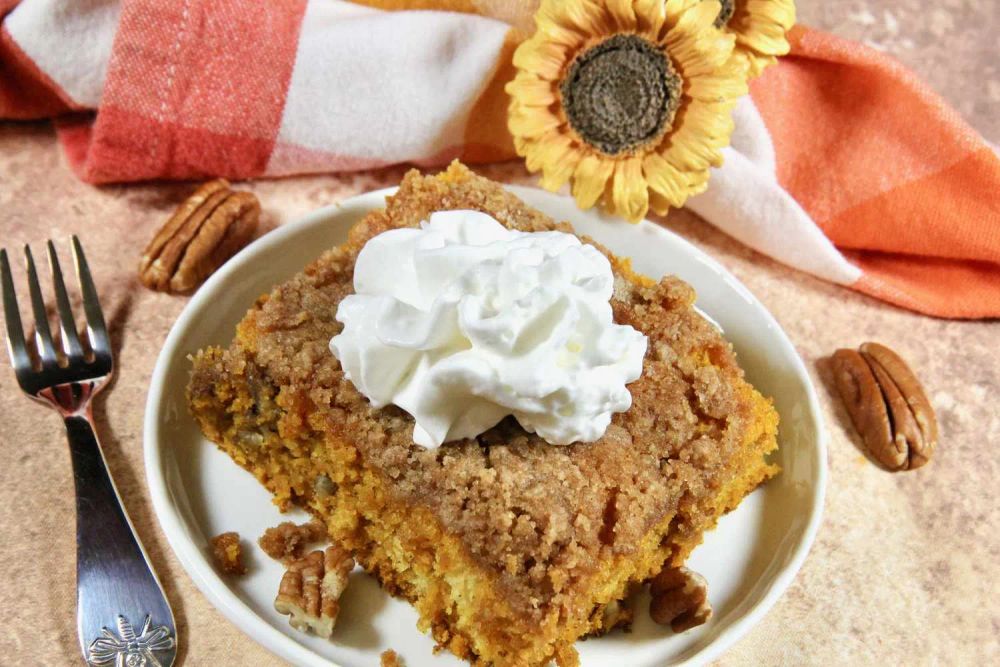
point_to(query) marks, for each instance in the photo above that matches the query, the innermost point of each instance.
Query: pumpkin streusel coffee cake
(510, 548)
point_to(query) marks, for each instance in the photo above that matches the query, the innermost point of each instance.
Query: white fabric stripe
(390, 86)
(751, 137)
(69, 40)
(745, 200)
(374, 87)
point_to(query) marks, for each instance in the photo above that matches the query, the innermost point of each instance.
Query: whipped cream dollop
(463, 322)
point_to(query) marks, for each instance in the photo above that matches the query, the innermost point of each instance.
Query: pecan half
(679, 599)
(913, 393)
(310, 590)
(205, 231)
(862, 397)
(887, 405)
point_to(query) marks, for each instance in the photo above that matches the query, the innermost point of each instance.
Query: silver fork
(116, 588)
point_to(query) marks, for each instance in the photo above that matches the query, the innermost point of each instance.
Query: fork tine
(70, 339)
(91, 306)
(46, 351)
(19, 358)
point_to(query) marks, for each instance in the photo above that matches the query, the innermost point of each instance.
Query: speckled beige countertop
(905, 567)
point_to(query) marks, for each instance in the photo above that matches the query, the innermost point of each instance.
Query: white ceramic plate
(198, 492)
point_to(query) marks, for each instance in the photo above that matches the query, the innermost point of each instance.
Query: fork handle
(114, 580)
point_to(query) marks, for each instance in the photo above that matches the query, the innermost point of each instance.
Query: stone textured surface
(902, 572)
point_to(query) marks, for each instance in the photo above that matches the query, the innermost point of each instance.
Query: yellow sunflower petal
(560, 34)
(756, 63)
(541, 153)
(522, 145)
(780, 12)
(701, 15)
(629, 194)
(556, 28)
(622, 14)
(758, 40)
(660, 204)
(531, 121)
(650, 15)
(673, 9)
(692, 155)
(530, 91)
(716, 88)
(760, 27)
(695, 46)
(532, 152)
(559, 160)
(666, 180)
(543, 58)
(590, 178)
(695, 146)
(583, 16)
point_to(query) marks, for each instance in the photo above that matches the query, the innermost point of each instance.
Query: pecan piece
(912, 392)
(205, 231)
(860, 392)
(887, 405)
(679, 599)
(310, 590)
(906, 435)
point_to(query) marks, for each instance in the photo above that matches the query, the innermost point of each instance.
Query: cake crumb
(287, 541)
(228, 553)
(390, 658)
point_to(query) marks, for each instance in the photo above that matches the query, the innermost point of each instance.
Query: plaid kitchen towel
(843, 163)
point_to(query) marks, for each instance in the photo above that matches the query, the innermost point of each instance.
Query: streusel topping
(539, 516)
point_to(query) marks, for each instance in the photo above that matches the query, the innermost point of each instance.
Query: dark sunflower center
(621, 94)
(726, 13)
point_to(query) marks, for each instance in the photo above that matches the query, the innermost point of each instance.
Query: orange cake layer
(509, 548)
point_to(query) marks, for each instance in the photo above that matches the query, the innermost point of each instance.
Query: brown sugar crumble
(390, 658)
(509, 548)
(228, 553)
(287, 541)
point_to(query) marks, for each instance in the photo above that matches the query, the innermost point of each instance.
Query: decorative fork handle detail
(115, 583)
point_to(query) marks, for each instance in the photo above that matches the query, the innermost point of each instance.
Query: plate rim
(254, 626)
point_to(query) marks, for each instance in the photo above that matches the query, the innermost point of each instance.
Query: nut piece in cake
(228, 553)
(310, 590)
(287, 541)
(614, 614)
(679, 599)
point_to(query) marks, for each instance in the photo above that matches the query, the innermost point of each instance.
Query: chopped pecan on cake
(310, 590)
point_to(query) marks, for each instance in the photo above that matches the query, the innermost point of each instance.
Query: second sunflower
(629, 101)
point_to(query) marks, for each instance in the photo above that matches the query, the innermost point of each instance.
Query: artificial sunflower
(628, 99)
(759, 27)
